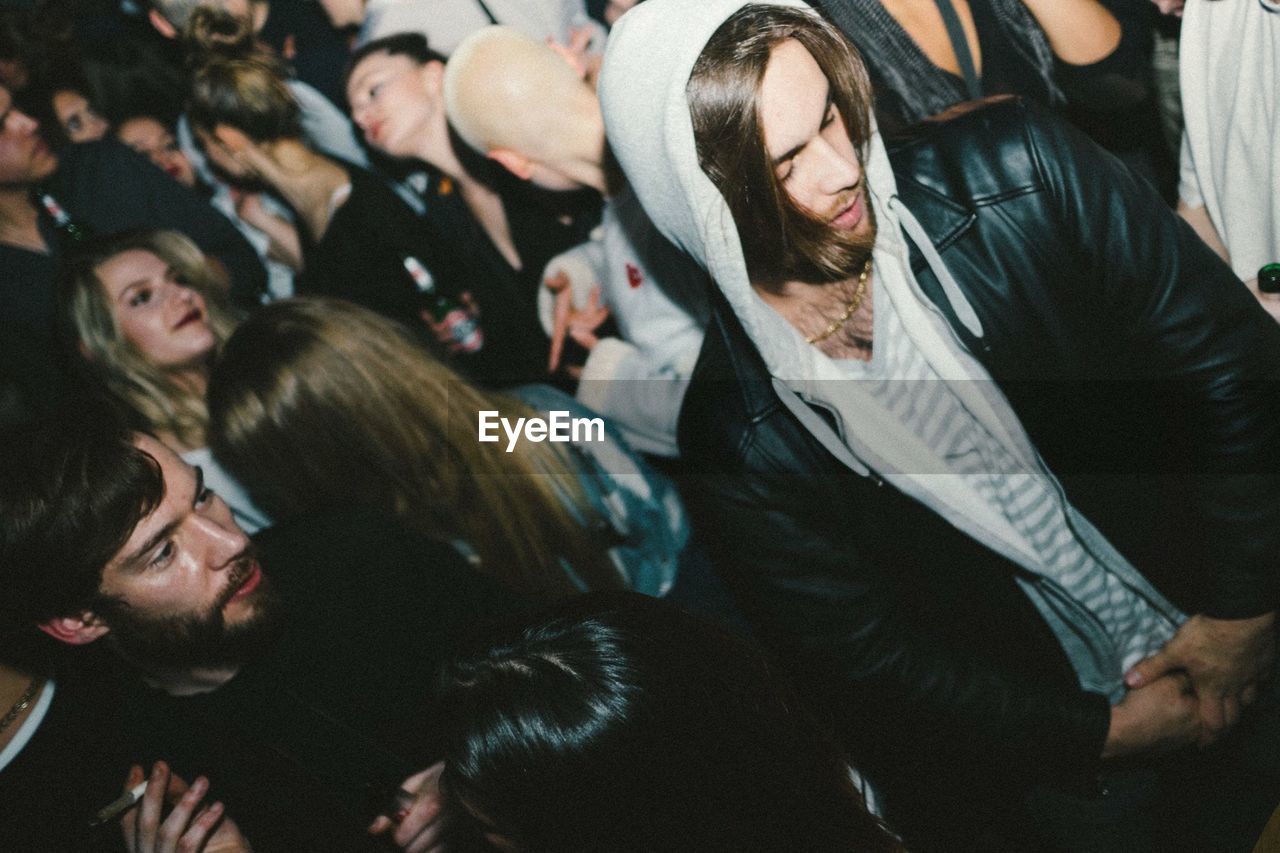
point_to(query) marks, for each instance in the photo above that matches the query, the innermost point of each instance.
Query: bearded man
(983, 435)
(295, 670)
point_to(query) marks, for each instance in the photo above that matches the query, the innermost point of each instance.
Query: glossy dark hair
(72, 490)
(780, 241)
(622, 723)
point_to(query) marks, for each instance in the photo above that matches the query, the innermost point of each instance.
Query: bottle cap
(1269, 278)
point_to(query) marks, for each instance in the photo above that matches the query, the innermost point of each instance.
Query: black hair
(412, 45)
(72, 490)
(622, 723)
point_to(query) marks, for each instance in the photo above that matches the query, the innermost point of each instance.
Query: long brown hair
(164, 405)
(780, 241)
(318, 402)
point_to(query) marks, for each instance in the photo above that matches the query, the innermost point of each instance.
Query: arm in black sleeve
(901, 692)
(1176, 315)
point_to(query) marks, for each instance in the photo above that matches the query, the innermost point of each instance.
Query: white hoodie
(657, 297)
(649, 57)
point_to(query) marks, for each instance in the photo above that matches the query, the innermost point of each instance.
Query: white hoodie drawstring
(959, 304)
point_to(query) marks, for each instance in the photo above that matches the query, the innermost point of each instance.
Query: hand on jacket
(1159, 717)
(1224, 658)
(419, 826)
(185, 829)
(1170, 7)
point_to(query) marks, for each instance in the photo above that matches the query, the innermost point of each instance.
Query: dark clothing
(110, 188)
(1100, 96)
(507, 295)
(74, 764)
(306, 744)
(300, 33)
(361, 259)
(1145, 375)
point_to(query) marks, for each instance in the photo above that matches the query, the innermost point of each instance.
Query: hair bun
(214, 33)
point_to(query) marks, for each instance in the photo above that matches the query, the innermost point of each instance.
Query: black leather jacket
(1143, 372)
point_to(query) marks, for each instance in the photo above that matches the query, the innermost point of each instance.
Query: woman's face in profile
(160, 316)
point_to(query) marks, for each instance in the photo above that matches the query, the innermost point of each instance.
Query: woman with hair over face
(317, 403)
(147, 312)
(360, 241)
(622, 723)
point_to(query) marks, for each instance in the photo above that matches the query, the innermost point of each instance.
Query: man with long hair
(982, 435)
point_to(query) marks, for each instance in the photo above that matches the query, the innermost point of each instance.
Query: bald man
(528, 107)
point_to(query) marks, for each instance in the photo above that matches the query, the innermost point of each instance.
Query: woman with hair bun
(360, 241)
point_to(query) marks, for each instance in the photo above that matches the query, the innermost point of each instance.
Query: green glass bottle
(1269, 278)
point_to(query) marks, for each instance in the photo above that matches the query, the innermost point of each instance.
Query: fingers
(470, 304)
(1248, 695)
(176, 824)
(1146, 671)
(129, 820)
(559, 327)
(583, 337)
(422, 826)
(1212, 714)
(148, 812)
(194, 838)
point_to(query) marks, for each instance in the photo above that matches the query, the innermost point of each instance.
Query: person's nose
(177, 300)
(19, 122)
(225, 542)
(360, 115)
(838, 171)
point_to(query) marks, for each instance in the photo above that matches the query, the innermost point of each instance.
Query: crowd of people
(679, 425)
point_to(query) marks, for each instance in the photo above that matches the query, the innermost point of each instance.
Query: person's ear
(77, 630)
(517, 164)
(162, 25)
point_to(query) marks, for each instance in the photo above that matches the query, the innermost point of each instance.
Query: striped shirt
(901, 379)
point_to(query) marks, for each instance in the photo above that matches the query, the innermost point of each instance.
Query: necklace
(24, 701)
(859, 293)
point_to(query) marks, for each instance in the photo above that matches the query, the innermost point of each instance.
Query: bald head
(507, 94)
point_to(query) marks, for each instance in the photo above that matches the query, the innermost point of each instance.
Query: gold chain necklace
(24, 701)
(859, 293)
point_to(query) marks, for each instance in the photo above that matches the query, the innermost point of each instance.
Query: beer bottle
(462, 325)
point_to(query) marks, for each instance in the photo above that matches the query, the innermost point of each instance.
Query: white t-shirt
(1230, 163)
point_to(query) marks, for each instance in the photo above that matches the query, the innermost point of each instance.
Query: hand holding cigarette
(185, 828)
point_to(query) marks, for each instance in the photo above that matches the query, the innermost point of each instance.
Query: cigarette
(120, 805)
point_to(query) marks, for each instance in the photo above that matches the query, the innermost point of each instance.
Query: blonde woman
(147, 312)
(321, 403)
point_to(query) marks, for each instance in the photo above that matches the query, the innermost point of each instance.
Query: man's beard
(832, 254)
(196, 640)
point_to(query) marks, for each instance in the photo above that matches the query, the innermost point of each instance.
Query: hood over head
(650, 55)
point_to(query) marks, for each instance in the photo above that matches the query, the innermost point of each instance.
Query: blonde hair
(164, 404)
(317, 402)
